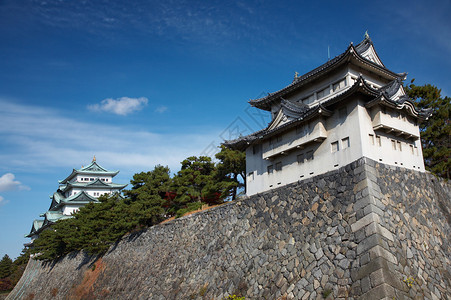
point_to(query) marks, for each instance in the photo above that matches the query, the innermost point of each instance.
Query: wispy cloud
(121, 106)
(202, 21)
(7, 183)
(37, 137)
(2, 201)
(161, 109)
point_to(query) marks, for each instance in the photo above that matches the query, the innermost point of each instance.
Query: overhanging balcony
(296, 141)
(395, 125)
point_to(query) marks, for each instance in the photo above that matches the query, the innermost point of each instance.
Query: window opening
(309, 99)
(334, 147)
(345, 143)
(300, 158)
(378, 140)
(270, 169)
(323, 92)
(339, 85)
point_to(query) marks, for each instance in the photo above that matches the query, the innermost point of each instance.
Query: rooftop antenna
(328, 52)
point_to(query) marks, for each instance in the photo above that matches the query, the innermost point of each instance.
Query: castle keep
(81, 187)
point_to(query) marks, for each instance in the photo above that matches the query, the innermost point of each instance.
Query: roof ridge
(263, 102)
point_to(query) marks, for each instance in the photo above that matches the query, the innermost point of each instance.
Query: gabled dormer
(366, 50)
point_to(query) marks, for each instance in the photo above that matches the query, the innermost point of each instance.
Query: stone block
(365, 284)
(370, 218)
(360, 186)
(362, 202)
(377, 228)
(386, 276)
(378, 251)
(380, 292)
(372, 208)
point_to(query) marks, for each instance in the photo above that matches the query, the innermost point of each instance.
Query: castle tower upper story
(350, 107)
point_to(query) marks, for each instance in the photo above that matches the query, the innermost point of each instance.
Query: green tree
(6, 266)
(196, 182)
(435, 131)
(93, 228)
(150, 195)
(145, 184)
(231, 170)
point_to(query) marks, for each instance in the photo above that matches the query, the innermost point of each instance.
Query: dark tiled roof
(265, 102)
(386, 98)
(382, 95)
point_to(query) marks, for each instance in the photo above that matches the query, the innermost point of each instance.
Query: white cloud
(3, 201)
(41, 137)
(7, 183)
(161, 109)
(121, 106)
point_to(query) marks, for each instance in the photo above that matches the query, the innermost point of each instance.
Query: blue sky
(152, 82)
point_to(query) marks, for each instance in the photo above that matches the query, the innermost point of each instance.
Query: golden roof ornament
(94, 159)
(367, 36)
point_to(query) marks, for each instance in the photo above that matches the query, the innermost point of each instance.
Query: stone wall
(358, 232)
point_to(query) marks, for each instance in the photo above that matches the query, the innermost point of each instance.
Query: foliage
(148, 184)
(435, 132)
(231, 166)
(195, 181)
(409, 281)
(23, 258)
(16, 270)
(94, 228)
(326, 293)
(6, 284)
(189, 207)
(6, 266)
(234, 297)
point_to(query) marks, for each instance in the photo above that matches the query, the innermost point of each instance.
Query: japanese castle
(81, 187)
(350, 107)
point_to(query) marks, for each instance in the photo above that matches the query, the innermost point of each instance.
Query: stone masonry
(364, 231)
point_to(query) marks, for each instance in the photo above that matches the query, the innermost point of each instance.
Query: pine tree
(436, 131)
(6, 266)
(231, 166)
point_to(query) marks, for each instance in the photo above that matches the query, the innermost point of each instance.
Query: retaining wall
(363, 231)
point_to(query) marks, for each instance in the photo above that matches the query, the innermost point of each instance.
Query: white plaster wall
(324, 160)
(90, 191)
(385, 153)
(69, 209)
